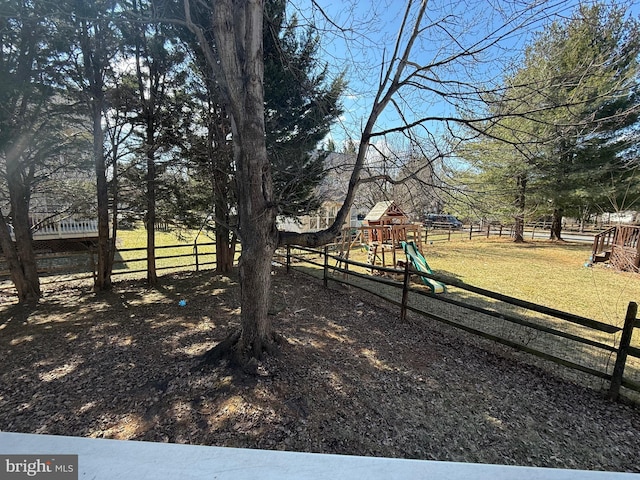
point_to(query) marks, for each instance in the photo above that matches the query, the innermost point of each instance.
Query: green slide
(421, 265)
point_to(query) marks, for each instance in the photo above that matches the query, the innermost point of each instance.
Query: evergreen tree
(159, 73)
(594, 57)
(95, 43)
(36, 126)
(300, 107)
(567, 114)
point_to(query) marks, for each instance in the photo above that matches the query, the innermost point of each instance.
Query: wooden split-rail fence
(600, 350)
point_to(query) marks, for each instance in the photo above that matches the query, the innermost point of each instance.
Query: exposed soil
(349, 379)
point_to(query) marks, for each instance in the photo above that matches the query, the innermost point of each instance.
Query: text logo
(50, 467)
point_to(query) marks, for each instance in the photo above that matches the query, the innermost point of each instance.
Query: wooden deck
(49, 232)
(67, 228)
(619, 246)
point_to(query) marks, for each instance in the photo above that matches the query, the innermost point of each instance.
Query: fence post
(288, 257)
(488, 230)
(623, 348)
(449, 237)
(500, 234)
(325, 276)
(346, 264)
(470, 230)
(405, 292)
(94, 266)
(195, 249)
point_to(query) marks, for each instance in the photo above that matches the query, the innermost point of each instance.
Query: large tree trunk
(103, 269)
(257, 227)
(28, 290)
(27, 256)
(21, 256)
(556, 224)
(239, 46)
(152, 276)
(257, 334)
(259, 239)
(520, 203)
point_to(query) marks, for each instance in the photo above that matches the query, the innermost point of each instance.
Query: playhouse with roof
(387, 224)
(384, 228)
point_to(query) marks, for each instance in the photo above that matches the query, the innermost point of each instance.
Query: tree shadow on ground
(529, 329)
(349, 378)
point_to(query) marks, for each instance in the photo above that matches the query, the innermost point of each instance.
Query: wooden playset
(382, 231)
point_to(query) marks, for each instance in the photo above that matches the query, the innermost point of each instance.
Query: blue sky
(369, 31)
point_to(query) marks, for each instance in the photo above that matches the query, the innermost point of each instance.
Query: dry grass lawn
(549, 273)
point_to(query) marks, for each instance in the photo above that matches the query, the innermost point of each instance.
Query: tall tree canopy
(94, 44)
(301, 103)
(299, 106)
(569, 116)
(37, 125)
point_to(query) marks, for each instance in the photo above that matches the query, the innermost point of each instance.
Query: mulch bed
(349, 379)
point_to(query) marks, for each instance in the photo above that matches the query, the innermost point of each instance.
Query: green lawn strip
(551, 274)
(167, 245)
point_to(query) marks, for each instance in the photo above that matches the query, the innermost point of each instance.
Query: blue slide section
(421, 265)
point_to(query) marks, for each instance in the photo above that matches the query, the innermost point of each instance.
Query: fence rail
(445, 232)
(589, 344)
(587, 350)
(194, 258)
(126, 262)
(434, 233)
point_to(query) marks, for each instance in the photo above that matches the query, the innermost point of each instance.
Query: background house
(338, 167)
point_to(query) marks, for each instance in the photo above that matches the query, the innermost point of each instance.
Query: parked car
(443, 221)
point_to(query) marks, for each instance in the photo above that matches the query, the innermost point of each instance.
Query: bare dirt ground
(350, 379)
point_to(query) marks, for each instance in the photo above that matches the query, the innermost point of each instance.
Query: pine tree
(35, 118)
(594, 59)
(300, 107)
(567, 115)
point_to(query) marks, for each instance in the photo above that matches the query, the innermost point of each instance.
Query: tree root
(235, 355)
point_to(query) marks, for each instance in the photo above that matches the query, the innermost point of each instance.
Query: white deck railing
(71, 227)
(114, 459)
